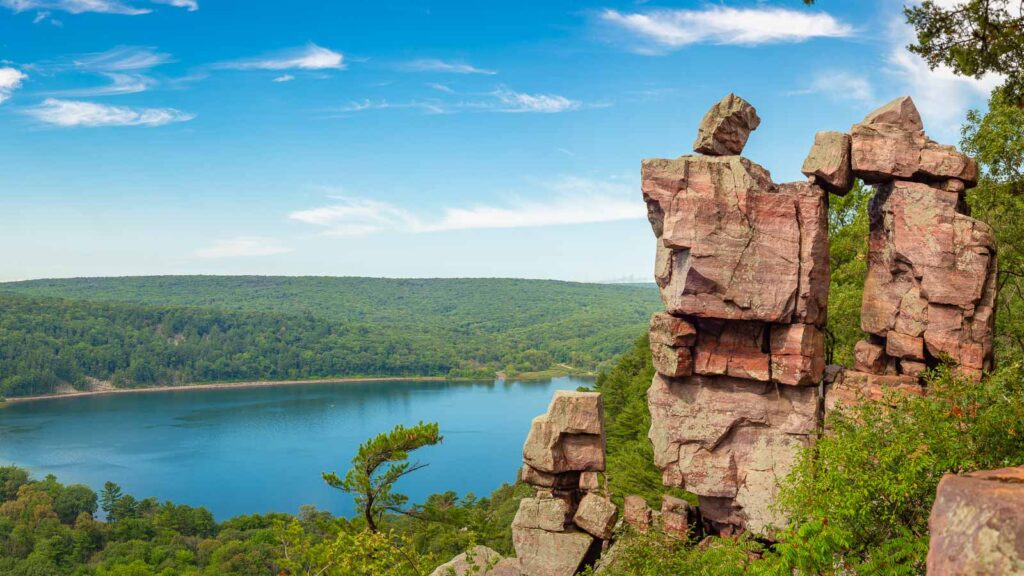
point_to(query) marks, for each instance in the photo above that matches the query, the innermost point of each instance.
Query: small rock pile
(562, 528)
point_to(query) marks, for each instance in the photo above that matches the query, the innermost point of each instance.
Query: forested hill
(178, 329)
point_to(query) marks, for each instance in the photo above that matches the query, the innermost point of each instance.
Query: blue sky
(404, 139)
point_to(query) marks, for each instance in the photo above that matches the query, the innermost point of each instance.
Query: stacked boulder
(561, 530)
(742, 264)
(931, 285)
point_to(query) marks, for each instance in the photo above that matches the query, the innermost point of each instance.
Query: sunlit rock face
(742, 265)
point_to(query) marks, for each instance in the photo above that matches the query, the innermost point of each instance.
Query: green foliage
(848, 255)
(996, 140)
(175, 330)
(973, 37)
(372, 484)
(655, 554)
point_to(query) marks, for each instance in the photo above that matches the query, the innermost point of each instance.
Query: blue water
(257, 450)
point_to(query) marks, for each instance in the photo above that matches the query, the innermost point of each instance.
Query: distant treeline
(59, 333)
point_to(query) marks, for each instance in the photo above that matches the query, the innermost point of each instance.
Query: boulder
(672, 361)
(726, 127)
(596, 515)
(732, 349)
(730, 438)
(869, 357)
(550, 514)
(890, 143)
(569, 437)
(589, 481)
(637, 513)
(480, 561)
(534, 477)
(671, 331)
(732, 242)
(977, 524)
(543, 553)
(677, 516)
(828, 162)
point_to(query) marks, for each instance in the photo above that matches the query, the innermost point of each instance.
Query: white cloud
(367, 105)
(440, 87)
(311, 57)
(673, 29)
(10, 80)
(521, 102)
(572, 201)
(435, 65)
(127, 8)
(72, 113)
(284, 78)
(942, 97)
(119, 84)
(243, 246)
(840, 85)
(190, 5)
(121, 59)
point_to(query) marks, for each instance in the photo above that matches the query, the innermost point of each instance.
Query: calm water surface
(250, 450)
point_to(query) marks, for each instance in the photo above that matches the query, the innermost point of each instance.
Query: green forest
(147, 331)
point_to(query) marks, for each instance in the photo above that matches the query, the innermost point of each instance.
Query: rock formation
(977, 524)
(480, 561)
(742, 264)
(561, 529)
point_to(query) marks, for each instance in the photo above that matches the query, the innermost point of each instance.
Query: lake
(256, 450)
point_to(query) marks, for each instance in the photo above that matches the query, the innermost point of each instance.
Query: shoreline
(258, 384)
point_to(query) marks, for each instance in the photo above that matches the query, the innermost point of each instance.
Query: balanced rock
(977, 524)
(731, 441)
(676, 517)
(548, 514)
(828, 162)
(596, 515)
(890, 143)
(726, 127)
(569, 437)
(480, 561)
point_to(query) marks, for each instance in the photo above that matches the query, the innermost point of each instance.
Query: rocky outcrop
(930, 291)
(977, 524)
(480, 561)
(561, 529)
(742, 265)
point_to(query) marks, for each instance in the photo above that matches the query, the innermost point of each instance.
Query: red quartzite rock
(480, 561)
(977, 524)
(797, 354)
(851, 387)
(569, 437)
(728, 438)
(596, 515)
(676, 517)
(890, 143)
(828, 162)
(637, 513)
(732, 349)
(735, 246)
(931, 274)
(543, 553)
(726, 127)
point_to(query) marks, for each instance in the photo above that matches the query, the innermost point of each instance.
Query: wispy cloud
(190, 5)
(840, 85)
(571, 200)
(121, 59)
(441, 87)
(73, 113)
(512, 101)
(126, 8)
(435, 65)
(284, 78)
(10, 80)
(661, 30)
(309, 57)
(500, 100)
(243, 246)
